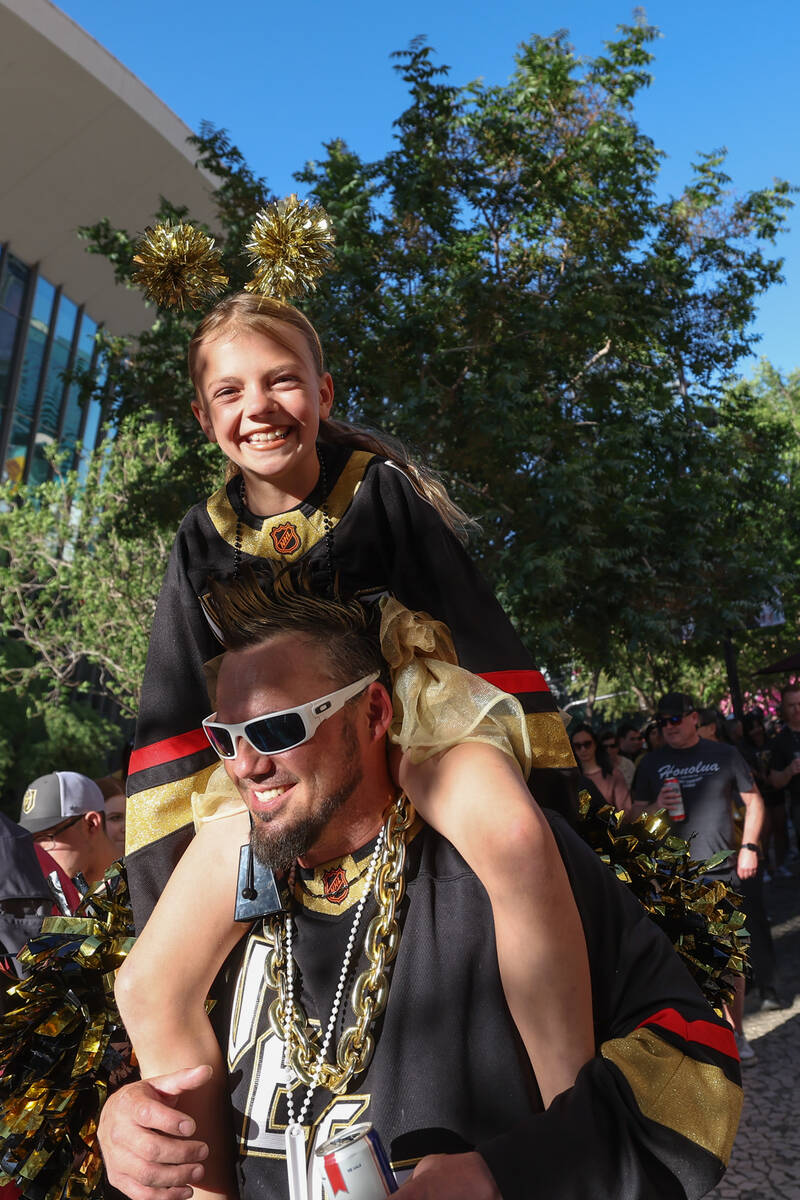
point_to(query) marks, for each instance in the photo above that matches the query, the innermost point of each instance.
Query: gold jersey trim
(550, 746)
(694, 1099)
(342, 877)
(288, 536)
(158, 811)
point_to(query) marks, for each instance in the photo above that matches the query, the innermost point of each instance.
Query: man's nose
(248, 760)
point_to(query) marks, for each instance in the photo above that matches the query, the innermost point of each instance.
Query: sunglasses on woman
(582, 745)
(277, 732)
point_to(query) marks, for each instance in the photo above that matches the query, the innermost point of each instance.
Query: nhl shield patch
(335, 885)
(285, 538)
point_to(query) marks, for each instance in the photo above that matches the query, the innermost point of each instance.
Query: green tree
(513, 298)
(83, 556)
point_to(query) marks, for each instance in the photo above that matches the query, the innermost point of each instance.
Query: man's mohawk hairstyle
(255, 607)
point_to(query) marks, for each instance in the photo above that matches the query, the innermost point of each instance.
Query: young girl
(357, 511)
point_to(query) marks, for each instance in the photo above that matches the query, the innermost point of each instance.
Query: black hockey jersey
(653, 1114)
(385, 537)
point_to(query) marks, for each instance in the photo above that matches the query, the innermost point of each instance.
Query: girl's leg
(475, 796)
(162, 987)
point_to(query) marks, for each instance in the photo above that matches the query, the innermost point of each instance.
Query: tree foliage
(83, 557)
(515, 300)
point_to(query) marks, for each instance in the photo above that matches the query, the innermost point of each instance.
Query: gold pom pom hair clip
(177, 265)
(290, 247)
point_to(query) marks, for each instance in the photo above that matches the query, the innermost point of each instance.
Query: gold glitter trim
(154, 813)
(310, 890)
(550, 746)
(307, 531)
(694, 1099)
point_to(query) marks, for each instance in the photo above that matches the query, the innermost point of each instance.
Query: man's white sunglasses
(277, 732)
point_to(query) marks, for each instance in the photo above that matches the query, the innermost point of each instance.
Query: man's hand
(746, 863)
(145, 1138)
(451, 1177)
(670, 798)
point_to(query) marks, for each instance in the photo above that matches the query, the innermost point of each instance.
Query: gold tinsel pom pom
(178, 266)
(290, 247)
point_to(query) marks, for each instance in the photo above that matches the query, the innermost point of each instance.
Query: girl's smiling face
(262, 401)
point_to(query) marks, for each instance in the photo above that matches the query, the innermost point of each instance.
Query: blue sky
(284, 78)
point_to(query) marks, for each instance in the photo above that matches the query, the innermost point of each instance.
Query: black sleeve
(171, 756)
(655, 1112)
(428, 569)
(780, 754)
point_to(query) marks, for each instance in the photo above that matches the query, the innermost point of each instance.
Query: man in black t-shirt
(709, 774)
(785, 758)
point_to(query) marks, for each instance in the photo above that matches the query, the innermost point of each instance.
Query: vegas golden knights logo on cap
(29, 800)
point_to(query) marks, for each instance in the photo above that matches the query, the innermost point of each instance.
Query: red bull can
(355, 1165)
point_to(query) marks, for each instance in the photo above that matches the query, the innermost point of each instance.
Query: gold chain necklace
(371, 989)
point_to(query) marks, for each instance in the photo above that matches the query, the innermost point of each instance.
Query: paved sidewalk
(766, 1157)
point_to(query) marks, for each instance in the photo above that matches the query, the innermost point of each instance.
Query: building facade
(45, 339)
(81, 139)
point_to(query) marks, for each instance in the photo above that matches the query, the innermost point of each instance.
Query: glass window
(13, 278)
(12, 285)
(8, 336)
(91, 432)
(33, 356)
(73, 405)
(53, 389)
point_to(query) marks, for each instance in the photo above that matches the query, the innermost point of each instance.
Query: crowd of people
(727, 784)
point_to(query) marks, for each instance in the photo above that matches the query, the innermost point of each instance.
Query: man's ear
(379, 711)
(201, 412)
(94, 821)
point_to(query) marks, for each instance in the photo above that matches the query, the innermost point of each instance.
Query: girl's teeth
(269, 437)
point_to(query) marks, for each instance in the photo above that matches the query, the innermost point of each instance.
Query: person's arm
(148, 1143)
(162, 986)
(655, 1112)
(621, 796)
(779, 779)
(451, 1177)
(747, 860)
(475, 796)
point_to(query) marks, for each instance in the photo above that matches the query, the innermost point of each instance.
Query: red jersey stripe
(168, 750)
(516, 682)
(717, 1037)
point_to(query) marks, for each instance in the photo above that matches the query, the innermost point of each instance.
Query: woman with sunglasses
(594, 762)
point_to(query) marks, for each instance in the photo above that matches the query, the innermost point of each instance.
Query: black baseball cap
(675, 704)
